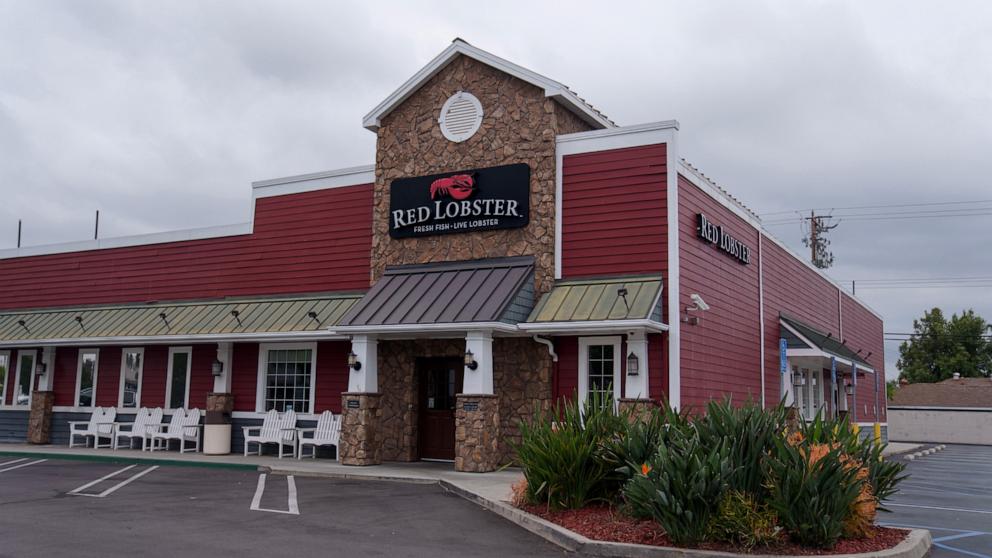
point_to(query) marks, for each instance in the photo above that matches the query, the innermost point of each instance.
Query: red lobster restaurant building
(510, 246)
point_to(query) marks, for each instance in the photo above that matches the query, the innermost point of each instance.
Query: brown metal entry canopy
(470, 294)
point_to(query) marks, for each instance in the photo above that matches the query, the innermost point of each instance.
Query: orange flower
(645, 469)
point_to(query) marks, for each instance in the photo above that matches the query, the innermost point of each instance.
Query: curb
(916, 544)
(125, 459)
(922, 453)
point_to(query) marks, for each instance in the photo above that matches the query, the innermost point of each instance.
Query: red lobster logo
(459, 186)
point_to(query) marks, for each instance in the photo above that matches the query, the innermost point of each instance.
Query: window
(4, 367)
(86, 371)
(132, 361)
(599, 367)
(25, 376)
(286, 377)
(177, 381)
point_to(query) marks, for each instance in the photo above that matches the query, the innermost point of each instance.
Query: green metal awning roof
(599, 301)
(809, 335)
(220, 319)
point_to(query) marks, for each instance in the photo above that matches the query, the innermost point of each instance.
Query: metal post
(18, 233)
(96, 227)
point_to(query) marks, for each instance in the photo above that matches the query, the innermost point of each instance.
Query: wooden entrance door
(439, 379)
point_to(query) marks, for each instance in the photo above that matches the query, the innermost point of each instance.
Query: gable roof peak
(553, 89)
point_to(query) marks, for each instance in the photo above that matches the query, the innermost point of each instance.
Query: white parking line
(938, 508)
(28, 464)
(294, 508)
(14, 461)
(116, 487)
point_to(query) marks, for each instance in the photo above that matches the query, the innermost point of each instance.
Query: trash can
(217, 433)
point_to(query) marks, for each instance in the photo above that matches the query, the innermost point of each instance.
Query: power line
(882, 206)
(976, 212)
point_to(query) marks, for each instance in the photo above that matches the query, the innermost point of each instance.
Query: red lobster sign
(459, 187)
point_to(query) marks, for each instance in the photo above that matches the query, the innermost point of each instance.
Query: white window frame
(263, 354)
(17, 378)
(584, 344)
(141, 377)
(6, 379)
(79, 377)
(168, 376)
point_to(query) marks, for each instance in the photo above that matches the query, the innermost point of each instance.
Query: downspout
(550, 344)
(761, 316)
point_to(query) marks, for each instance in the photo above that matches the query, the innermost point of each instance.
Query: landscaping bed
(736, 478)
(604, 523)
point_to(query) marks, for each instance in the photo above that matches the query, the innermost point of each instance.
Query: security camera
(699, 302)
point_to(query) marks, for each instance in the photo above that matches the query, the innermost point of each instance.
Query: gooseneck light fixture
(470, 361)
(353, 362)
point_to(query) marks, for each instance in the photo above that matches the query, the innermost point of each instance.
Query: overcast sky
(160, 114)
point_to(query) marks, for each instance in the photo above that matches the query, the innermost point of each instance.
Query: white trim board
(552, 89)
(594, 326)
(168, 375)
(6, 377)
(584, 343)
(141, 377)
(260, 375)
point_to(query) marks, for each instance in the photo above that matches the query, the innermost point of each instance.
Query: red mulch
(604, 523)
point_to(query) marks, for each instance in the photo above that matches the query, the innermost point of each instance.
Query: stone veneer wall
(519, 126)
(522, 372)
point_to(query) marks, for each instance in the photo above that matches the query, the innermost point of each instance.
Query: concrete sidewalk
(895, 448)
(490, 486)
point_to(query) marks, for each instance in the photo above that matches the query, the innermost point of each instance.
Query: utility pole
(817, 240)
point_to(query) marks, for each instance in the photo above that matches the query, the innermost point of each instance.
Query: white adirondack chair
(100, 425)
(139, 428)
(327, 433)
(184, 426)
(276, 429)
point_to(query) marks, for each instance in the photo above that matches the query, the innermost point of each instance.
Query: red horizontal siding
(567, 385)
(244, 378)
(332, 375)
(863, 331)
(613, 212)
(154, 372)
(791, 287)
(307, 242)
(201, 377)
(64, 379)
(108, 377)
(721, 355)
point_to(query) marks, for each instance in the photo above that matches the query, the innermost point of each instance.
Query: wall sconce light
(633, 365)
(798, 380)
(849, 389)
(353, 362)
(39, 369)
(217, 367)
(470, 361)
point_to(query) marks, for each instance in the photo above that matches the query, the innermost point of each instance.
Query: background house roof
(964, 392)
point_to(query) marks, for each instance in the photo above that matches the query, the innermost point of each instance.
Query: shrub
(751, 432)
(742, 521)
(681, 486)
(812, 489)
(639, 439)
(560, 454)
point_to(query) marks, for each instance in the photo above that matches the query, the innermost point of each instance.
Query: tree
(941, 347)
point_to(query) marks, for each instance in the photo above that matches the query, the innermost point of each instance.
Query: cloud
(161, 114)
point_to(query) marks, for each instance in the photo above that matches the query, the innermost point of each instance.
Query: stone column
(361, 424)
(476, 433)
(40, 419)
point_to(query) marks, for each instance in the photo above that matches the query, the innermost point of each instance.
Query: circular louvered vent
(461, 116)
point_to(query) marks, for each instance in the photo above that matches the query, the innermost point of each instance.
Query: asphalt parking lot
(60, 507)
(949, 493)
